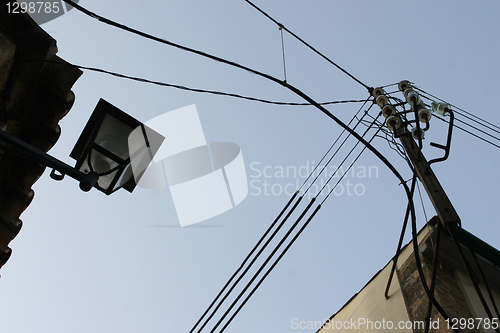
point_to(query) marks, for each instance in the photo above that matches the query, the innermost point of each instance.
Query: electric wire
(470, 271)
(389, 137)
(390, 85)
(486, 124)
(477, 129)
(274, 264)
(263, 237)
(334, 154)
(401, 238)
(319, 107)
(350, 166)
(472, 126)
(422, 201)
(460, 109)
(492, 299)
(333, 144)
(259, 270)
(176, 86)
(311, 47)
(468, 132)
(242, 265)
(283, 51)
(277, 247)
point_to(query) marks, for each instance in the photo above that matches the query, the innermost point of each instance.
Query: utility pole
(398, 123)
(442, 204)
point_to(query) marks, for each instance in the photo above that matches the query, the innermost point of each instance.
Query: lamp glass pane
(100, 164)
(113, 136)
(125, 177)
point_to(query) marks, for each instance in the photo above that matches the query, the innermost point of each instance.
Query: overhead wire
(486, 124)
(176, 86)
(277, 247)
(468, 132)
(331, 147)
(472, 126)
(477, 129)
(485, 281)
(265, 235)
(459, 109)
(352, 163)
(370, 89)
(283, 51)
(338, 149)
(319, 107)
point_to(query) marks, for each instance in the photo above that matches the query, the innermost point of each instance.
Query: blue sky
(85, 262)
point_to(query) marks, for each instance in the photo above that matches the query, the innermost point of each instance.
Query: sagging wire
(197, 90)
(401, 238)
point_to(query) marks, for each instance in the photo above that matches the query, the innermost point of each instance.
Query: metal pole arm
(21, 149)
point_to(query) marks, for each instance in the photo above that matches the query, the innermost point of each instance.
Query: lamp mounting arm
(21, 149)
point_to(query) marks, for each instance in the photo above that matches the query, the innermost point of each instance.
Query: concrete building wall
(407, 306)
(369, 309)
(472, 299)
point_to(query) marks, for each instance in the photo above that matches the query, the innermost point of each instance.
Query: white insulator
(377, 92)
(393, 122)
(440, 108)
(415, 135)
(403, 85)
(424, 115)
(409, 94)
(382, 101)
(388, 110)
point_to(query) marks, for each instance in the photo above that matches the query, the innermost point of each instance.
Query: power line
(468, 132)
(477, 129)
(370, 89)
(335, 153)
(176, 86)
(352, 163)
(276, 248)
(264, 236)
(474, 120)
(281, 243)
(468, 113)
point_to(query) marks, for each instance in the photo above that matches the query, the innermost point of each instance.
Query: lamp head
(103, 147)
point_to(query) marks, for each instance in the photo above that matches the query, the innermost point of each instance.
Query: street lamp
(103, 147)
(103, 152)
